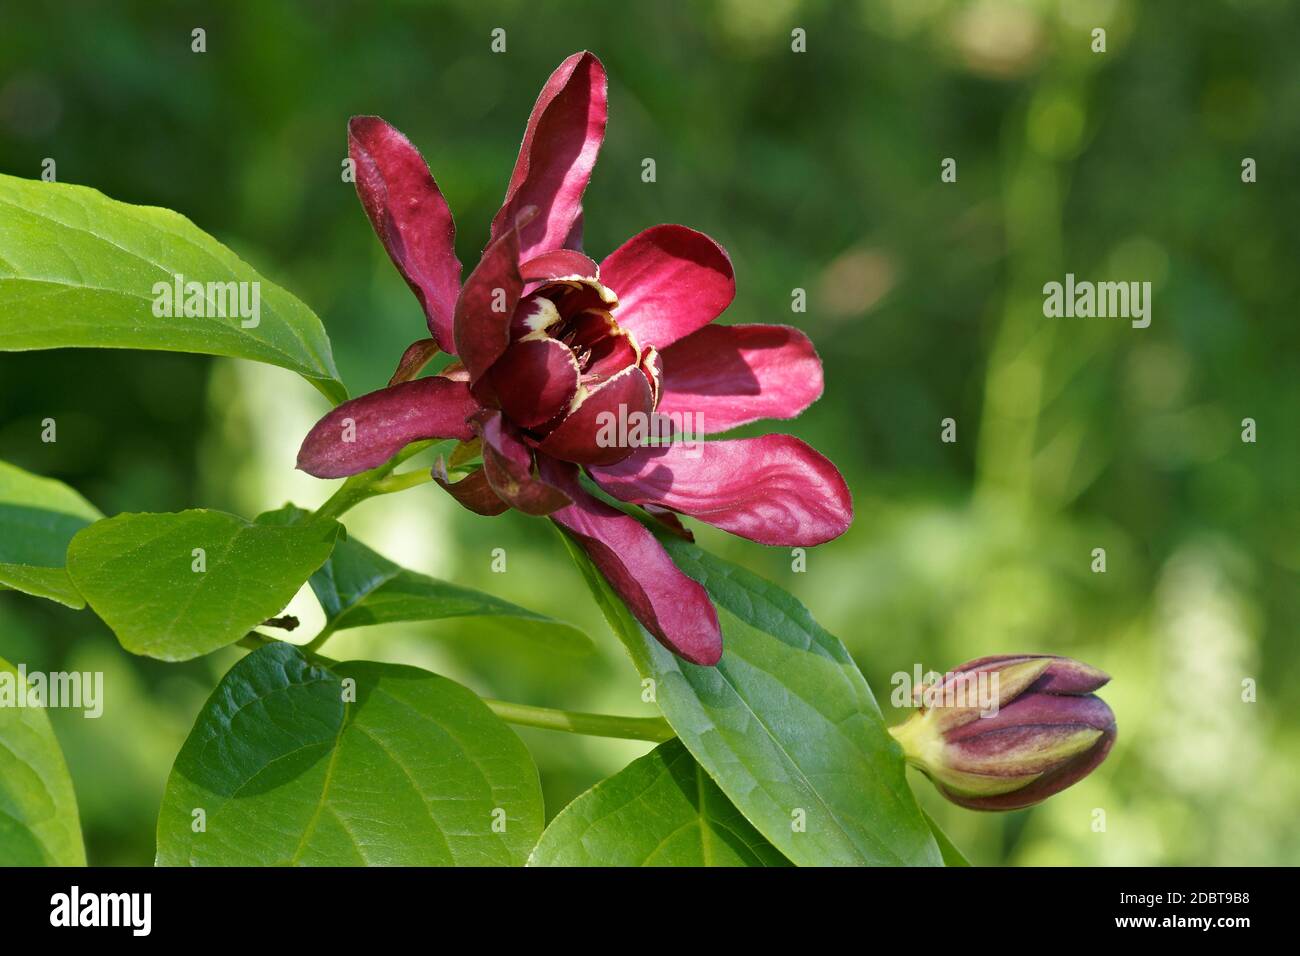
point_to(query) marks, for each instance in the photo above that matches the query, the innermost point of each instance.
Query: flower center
(579, 313)
(568, 362)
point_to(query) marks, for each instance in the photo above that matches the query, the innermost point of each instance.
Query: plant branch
(593, 725)
(654, 729)
(401, 481)
(376, 481)
(253, 640)
(315, 644)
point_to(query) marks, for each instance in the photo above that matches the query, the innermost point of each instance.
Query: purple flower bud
(1001, 733)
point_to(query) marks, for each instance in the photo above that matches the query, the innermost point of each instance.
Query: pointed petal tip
(366, 127)
(362, 120)
(409, 215)
(1064, 675)
(708, 657)
(702, 647)
(366, 431)
(674, 608)
(561, 142)
(571, 63)
(774, 489)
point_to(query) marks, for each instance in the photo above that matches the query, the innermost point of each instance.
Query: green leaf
(785, 723)
(79, 269)
(138, 572)
(39, 825)
(287, 769)
(659, 810)
(38, 517)
(358, 587)
(951, 855)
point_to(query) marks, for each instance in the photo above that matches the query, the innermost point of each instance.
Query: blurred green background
(817, 171)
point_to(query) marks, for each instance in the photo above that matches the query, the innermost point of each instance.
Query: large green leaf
(138, 572)
(659, 810)
(785, 723)
(38, 517)
(358, 587)
(38, 808)
(287, 770)
(79, 269)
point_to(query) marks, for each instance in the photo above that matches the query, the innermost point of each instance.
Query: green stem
(255, 641)
(654, 729)
(252, 640)
(376, 481)
(400, 482)
(368, 484)
(593, 725)
(317, 642)
(349, 494)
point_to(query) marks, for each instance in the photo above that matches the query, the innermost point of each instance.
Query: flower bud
(1001, 733)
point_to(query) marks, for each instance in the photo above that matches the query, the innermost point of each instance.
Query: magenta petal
(731, 375)
(534, 380)
(472, 492)
(410, 217)
(671, 606)
(669, 521)
(487, 304)
(414, 359)
(574, 239)
(559, 149)
(365, 432)
(580, 437)
(508, 466)
(773, 490)
(559, 264)
(670, 281)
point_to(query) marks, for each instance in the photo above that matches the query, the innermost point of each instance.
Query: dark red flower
(564, 366)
